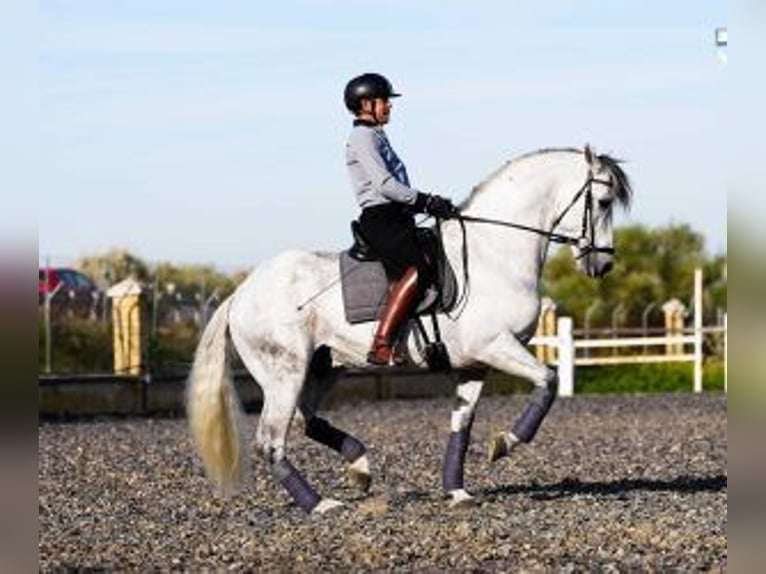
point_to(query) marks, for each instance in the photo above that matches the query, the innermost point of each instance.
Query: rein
(587, 223)
(555, 237)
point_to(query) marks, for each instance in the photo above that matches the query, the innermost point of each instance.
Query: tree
(112, 267)
(187, 280)
(715, 273)
(651, 267)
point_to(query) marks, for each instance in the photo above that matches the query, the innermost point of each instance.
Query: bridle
(585, 242)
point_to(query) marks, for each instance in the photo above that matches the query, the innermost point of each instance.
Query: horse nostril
(606, 268)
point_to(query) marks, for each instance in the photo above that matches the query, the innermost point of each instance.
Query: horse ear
(589, 157)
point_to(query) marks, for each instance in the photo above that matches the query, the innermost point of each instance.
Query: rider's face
(382, 110)
(378, 110)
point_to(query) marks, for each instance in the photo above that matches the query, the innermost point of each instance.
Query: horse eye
(605, 204)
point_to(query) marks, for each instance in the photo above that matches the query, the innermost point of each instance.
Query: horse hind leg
(281, 374)
(273, 426)
(467, 397)
(350, 448)
(320, 378)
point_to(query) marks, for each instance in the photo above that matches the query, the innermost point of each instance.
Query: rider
(388, 203)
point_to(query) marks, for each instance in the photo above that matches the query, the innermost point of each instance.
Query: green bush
(85, 346)
(171, 350)
(648, 378)
(78, 346)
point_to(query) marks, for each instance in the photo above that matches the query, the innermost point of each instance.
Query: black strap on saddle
(437, 356)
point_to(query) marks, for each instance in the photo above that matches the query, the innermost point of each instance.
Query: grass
(649, 378)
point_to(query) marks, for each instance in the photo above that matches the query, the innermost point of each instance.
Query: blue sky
(214, 133)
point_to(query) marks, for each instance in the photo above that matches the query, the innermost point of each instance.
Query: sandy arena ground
(625, 482)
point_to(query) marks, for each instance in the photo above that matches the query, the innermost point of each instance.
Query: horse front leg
(526, 425)
(467, 397)
(508, 355)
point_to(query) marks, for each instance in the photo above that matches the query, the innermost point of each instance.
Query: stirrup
(400, 356)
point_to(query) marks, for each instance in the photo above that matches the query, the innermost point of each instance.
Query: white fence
(566, 347)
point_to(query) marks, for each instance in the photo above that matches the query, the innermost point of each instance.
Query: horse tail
(212, 405)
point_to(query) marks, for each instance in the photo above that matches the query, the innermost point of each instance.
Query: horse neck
(532, 192)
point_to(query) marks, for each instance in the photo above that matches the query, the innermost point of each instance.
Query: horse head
(606, 185)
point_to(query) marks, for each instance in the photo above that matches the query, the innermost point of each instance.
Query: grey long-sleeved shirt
(377, 174)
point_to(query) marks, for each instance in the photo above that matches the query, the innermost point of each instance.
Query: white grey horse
(497, 251)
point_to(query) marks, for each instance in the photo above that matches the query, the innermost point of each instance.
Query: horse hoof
(326, 505)
(360, 480)
(498, 447)
(359, 474)
(461, 499)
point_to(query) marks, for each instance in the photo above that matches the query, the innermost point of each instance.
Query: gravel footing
(610, 483)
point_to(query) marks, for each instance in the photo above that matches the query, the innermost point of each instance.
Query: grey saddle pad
(364, 286)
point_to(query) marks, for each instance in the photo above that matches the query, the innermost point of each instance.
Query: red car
(74, 285)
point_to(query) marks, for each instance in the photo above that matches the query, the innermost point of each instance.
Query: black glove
(437, 206)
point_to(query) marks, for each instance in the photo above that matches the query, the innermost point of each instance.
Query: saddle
(365, 284)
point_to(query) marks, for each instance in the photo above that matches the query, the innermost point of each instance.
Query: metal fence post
(566, 357)
(48, 296)
(586, 322)
(725, 352)
(698, 330)
(619, 308)
(47, 311)
(645, 322)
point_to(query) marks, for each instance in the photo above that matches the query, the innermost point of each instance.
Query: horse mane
(623, 191)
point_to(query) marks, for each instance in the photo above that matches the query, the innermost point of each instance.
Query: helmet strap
(372, 114)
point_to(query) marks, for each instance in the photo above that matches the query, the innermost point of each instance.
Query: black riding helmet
(367, 86)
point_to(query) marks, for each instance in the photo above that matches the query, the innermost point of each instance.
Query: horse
(497, 247)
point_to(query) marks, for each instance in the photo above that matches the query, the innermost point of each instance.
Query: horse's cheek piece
(321, 431)
(534, 413)
(294, 483)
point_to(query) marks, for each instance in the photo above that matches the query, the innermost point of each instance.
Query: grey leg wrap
(294, 483)
(454, 459)
(321, 431)
(534, 413)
